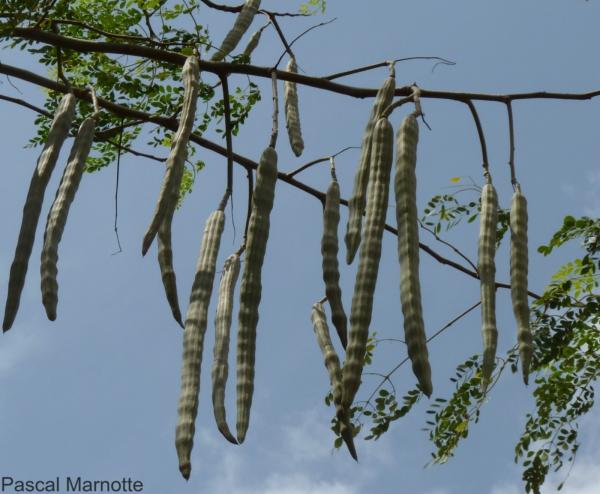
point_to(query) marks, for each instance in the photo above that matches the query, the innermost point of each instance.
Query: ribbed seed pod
(519, 260)
(33, 205)
(240, 26)
(329, 251)
(253, 43)
(405, 186)
(370, 253)
(487, 273)
(292, 115)
(57, 217)
(251, 287)
(165, 253)
(357, 202)
(220, 368)
(176, 160)
(332, 364)
(193, 339)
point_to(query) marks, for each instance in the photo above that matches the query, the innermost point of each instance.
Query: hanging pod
(519, 260)
(487, 276)
(193, 339)
(368, 263)
(251, 287)
(405, 186)
(57, 134)
(357, 202)
(240, 26)
(57, 217)
(292, 114)
(220, 368)
(167, 200)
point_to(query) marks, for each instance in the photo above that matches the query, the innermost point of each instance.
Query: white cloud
(301, 484)
(506, 489)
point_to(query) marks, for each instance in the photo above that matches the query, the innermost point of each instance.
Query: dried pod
(33, 205)
(370, 253)
(57, 217)
(252, 43)
(329, 251)
(165, 253)
(405, 186)
(251, 287)
(193, 339)
(176, 160)
(220, 369)
(487, 273)
(357, 202)
(240, 26)
(332, 364)
(519, 260)
(292, 115)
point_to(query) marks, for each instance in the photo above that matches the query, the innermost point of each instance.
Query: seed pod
(408, 250)
(518, 278)
(240, 26)
(332, 363)
(193, 339)
(357, 202)
(292, 115)
(165, 253)
(176, 160)
(251, 287)
(370, 253)
(33, 205)
(220, 368)
(487, 273)
(329, 251)
(253, 43)
(57, 217)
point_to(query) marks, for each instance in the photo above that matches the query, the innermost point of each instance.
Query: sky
(94, 394)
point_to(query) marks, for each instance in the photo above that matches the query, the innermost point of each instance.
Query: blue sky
(95, 393)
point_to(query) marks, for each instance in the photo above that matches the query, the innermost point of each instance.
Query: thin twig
(511, 135)
(275, 129)
(383, 64)
(403, 361)
(484, 155)
(116, 227)
(448, 244)
(320, 160)
(249, 210)
(287, 46)
(238, 8)
(300, 36)
(228, 136)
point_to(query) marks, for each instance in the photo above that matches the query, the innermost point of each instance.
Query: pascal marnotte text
(71, 484)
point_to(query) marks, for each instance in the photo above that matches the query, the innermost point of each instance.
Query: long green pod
(220, 368)
(357, 202)
(292, 114)
(176, 160)
(57, 217)
(405, 186)
(332, 364)
(165, 255)
(251, 287)
(329, 252)
(370, 253)
(519, 259)
(487, 276)
(33, 205)
(240, 26)
(193, 339)
(252, 43)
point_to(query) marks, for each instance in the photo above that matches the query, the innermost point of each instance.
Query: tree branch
(282, 75)
(172, 124)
